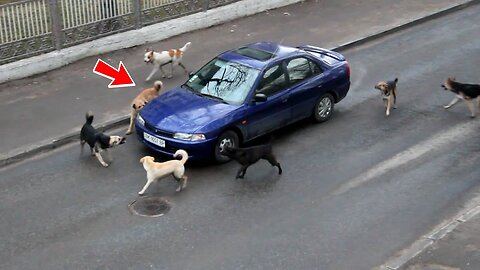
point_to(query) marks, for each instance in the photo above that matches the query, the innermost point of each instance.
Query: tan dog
(389, 94)
(141, 100)
(463, 91)
(157, 170)
(160, 59)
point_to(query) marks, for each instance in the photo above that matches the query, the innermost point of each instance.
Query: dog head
(386, 86)
(148, 58)
(147, 159)
(116, 140)
(447, 84)
(227, 150)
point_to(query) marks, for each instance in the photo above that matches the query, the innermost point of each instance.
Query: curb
(20, 155)
(400, 259)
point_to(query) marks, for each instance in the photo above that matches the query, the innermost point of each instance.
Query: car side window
(273, 81)
(300, 69)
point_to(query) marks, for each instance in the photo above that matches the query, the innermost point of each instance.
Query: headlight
(189, 136)
(140, 120)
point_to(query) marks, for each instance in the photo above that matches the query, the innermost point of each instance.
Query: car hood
(180, 110)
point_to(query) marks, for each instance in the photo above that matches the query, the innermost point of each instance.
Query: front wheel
(323, 108)
(226, 138)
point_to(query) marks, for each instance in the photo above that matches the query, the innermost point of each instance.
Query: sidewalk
(458, 250)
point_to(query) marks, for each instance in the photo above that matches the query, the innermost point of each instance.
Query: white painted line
(453, 135)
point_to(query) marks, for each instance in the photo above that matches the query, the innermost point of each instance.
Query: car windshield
(222, 80)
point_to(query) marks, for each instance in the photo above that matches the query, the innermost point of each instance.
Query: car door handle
(284, 100)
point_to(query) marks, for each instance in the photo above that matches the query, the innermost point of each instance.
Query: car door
(275, 112)
(306, 84)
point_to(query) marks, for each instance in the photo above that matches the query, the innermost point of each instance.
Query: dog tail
(157, 85)
(89, 117)
(183, 153)
(185, 47)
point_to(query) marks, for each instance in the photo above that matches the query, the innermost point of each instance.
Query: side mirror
(259, 97)
(190, 75)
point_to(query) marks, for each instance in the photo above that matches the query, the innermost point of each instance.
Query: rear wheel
(228, 137)
(323, 108)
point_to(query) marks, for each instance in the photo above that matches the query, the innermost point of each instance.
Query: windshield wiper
(213, 97)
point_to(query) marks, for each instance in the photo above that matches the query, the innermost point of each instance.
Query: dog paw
(140, 194)
(169, 76)
(128, 132)
(179, 189)
(446, 107)
(105, 165)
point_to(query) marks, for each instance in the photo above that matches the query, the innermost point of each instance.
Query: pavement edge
(401, 258)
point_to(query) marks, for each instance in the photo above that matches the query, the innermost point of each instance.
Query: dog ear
(142, 159)
(396, 80)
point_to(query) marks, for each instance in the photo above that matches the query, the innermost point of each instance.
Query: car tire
(323, 109)
(226, 137)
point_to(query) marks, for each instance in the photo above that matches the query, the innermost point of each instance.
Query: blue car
(242, 94)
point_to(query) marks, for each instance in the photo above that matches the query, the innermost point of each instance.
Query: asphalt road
(354, 190)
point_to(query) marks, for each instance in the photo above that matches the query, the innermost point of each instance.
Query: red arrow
(120, 77)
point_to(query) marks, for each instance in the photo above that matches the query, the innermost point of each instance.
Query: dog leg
(100, 159)
(184, 68)
(453, 102)
(155, 69)
(273, 161)
(171, 71)
(182, 183)
(149, 181)
(132, 120)
(241, 172)
(163, 73)
(389, 104)
(471, 107)
(395, 98)
(82, 143)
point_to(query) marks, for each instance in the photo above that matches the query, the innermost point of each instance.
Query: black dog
(97, 140)
(250, 155)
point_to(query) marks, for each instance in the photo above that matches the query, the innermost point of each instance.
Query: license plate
(154, 140)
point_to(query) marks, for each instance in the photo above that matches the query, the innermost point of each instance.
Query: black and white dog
(463, 91)
(97, 141)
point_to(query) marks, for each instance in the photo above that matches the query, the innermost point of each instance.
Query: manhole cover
(149, 206)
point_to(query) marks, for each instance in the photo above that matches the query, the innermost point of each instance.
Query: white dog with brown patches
(157, 170)
(160, 59)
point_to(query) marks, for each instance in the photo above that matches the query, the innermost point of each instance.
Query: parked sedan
(242, 94)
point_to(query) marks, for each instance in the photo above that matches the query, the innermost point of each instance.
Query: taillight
(348, 70)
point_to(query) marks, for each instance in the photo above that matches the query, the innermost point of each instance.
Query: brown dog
(141, 100)
(157, 170)
(462, 91)
(389, 94)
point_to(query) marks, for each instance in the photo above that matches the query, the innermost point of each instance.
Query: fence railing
(32, 27)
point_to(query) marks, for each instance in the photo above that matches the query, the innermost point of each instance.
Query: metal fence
(32, 27)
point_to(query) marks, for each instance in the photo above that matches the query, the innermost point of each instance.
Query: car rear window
(254, 53)
(325, 58)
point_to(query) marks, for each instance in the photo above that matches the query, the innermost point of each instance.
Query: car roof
(259, 54)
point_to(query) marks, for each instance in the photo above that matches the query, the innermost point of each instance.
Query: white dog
(159, 59)
(157, 170)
